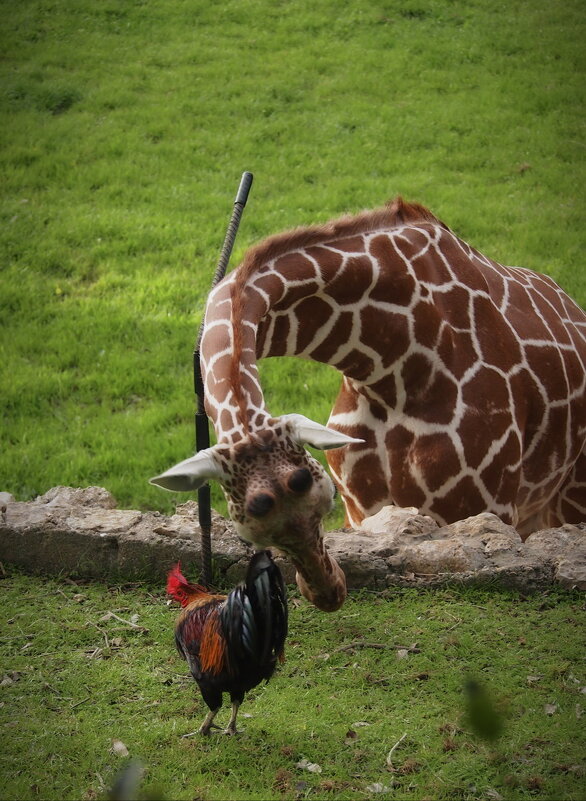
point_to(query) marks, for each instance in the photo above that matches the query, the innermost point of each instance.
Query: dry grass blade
(389, 759)
(132, 625)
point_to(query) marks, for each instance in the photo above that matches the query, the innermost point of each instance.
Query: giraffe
(463, 386)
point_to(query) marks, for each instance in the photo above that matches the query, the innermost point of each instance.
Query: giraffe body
(463, 389)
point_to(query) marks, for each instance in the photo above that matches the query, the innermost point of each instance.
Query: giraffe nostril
(300, 480)
(260, 505)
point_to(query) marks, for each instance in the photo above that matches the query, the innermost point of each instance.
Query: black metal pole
(202, 429)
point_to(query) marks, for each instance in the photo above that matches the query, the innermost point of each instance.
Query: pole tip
(244, 188)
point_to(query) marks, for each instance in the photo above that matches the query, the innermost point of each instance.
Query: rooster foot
(203, 729)
(207, 724)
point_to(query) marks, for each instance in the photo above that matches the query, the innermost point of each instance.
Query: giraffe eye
(260, 505)
(300, 480)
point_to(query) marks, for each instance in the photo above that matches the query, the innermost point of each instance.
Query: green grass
(79, 681)
(125, 129)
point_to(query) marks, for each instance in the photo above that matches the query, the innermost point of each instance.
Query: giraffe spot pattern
(368, 472)
(441, 459)
(388, 337)
(347, 287)
(462, 500)
(497, 344)
(310, 314)
(392, 286)
(335, 334)
(430, 394)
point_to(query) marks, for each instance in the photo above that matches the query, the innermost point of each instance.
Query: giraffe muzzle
(325, 596)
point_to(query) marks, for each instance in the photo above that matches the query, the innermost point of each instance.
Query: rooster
(231, 643)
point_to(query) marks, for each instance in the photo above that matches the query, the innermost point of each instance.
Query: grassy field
(74, 680)
(125, 129)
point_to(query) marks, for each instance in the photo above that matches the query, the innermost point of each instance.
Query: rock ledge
(80, 532)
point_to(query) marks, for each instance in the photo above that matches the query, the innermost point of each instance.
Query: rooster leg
(213, 699)
(231, 727)
(209, 722)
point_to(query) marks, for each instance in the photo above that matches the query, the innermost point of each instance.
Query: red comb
(179, 588)
(175, 578)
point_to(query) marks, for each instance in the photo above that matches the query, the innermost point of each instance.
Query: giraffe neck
(329, 302)
(233, 394)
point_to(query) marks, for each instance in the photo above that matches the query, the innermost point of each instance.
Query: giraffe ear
(308, 432)
(190, 474)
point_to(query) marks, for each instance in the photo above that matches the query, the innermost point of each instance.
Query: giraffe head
(277, 496)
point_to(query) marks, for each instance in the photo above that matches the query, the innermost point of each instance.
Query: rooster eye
(300, 480)
(260, 505)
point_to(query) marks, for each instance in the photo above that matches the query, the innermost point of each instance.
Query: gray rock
(73, 496)
(565, 549)
(6, 497)
(393, 520)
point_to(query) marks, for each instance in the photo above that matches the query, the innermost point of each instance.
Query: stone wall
(80, 532)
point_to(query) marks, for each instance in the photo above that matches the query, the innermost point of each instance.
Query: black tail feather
(255, 615)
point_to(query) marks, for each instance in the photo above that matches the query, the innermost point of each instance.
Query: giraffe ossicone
(463, 386)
